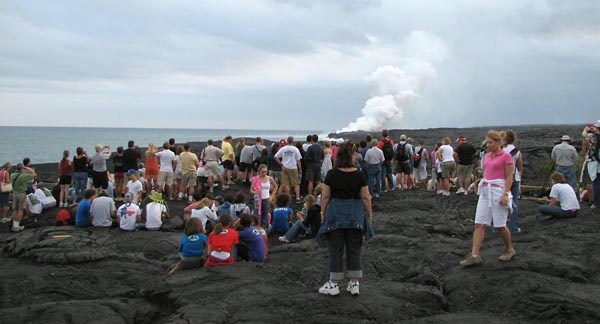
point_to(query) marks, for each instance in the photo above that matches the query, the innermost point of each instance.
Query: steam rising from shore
(393, 88)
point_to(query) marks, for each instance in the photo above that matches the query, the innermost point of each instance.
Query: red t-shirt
(222, 242)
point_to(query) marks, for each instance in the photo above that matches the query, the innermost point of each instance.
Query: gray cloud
(509, 61)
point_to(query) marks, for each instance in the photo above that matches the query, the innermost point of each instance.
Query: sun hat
(565, 138)
(128, 197)
(131, 172)
(157, 197)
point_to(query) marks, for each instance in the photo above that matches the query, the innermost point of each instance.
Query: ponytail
(224, 221)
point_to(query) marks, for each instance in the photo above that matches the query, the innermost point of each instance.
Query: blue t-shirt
(253, 239)
(83, 217)
(192, 245)
(281, 219)
(223, 208)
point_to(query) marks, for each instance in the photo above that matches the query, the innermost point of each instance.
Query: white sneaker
(190, 198)
(440, 191)
(446, 193)
(6, 219)
(283, 239)
(17, 228)
(460, 191)
(353, 288)
(330, 288)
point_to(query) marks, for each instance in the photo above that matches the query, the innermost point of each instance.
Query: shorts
(403, 167)
(19, 201)
(289, 177)
(119, 175)
(177, 175)
(100, 179)
(211, 168)
(188, 179)
(164, 176)
(447, 169)
(245, 167)
(4, 199)
(313, 173)
(191, 262)
(65, 180)
(497, 213)
(275, 175)
(421, 172)
(228, 165)
(464, 171)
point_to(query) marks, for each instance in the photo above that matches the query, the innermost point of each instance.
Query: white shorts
(496, 213)
(211, 168)
(421, 172)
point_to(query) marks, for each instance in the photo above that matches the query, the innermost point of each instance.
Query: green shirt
(20, 184)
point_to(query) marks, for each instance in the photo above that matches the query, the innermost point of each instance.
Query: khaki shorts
(211, 168)
(19, 201)
(276, 175)
(188, 179)
(464, 171)
(447, 169)
(289, 177)
(165, 176)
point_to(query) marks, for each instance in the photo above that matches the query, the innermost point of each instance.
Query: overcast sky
(296, 64)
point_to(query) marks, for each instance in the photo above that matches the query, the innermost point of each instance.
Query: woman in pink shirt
(495, 199)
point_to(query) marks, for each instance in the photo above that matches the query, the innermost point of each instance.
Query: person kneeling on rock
(563, 202)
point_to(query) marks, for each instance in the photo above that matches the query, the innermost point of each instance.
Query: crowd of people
(333, 182)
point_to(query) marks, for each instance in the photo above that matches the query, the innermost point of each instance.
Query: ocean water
(46, 144)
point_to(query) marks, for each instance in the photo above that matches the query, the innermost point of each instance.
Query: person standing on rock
(495, 199)
(509, 141)
(374, 158)
(446, 154)
(464, 155)
(590, 172)
(346, 204)
(386, 144)
(565, 156)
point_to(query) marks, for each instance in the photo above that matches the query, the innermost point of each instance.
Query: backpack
(418, 158)
(401, 155)
(388, 150)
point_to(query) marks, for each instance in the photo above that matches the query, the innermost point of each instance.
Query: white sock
(15, 223)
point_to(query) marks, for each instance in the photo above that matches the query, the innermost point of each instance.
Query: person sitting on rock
(83, 218)
(45, 196)
(204, 213)
(252, 243)
(129, 214)
(238, 207)
(221, 242)
(103, 210)
(155, 211)
(309, 221)
(563, 202)
(187, 211)
(282, 214)
(192, 246)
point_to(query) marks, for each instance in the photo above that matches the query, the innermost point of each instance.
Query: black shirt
(465, 153)
(80, 164)
(130, 159)
(345, 185)
(313, 219)
(314, 155)
(118, 163)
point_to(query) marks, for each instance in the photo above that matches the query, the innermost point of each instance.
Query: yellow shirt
(228, 153)
(189, 161)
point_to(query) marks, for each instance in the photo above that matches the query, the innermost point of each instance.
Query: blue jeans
(386, 173)
(80, 179)
(374, 178)
(556, 211)
(596, 190)
(569, 173)
(264, 212)
(293, 232)
(513, 219)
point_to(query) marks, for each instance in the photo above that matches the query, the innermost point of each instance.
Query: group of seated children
(236, 234)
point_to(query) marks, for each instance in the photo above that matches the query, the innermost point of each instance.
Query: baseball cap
(565, 138)
(128, 197)
(282, 142)
(219, 199)
(131, 172)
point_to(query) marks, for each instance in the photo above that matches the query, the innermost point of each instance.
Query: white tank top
(266, 186)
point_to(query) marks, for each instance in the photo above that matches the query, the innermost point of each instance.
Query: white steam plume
(393, 88)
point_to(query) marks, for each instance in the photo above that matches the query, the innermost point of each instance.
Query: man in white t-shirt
(166, 158)
(128, 214)
(134, 186)
(289, 158)
(103, 209)
(45, 195)
(155, 211)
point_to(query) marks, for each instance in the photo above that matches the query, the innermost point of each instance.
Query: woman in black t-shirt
(345, 203)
